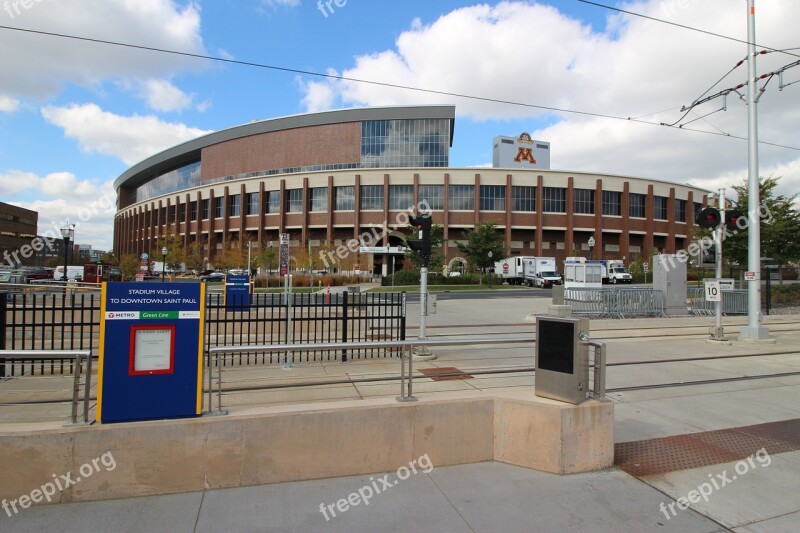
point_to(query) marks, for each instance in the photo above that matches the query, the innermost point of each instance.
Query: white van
(73, 273)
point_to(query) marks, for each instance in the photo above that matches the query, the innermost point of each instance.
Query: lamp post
(491, 274)
(270, 262)
(164, 252)
(591, 247)
(68, 233)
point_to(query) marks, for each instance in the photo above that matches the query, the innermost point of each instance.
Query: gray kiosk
(562, 360)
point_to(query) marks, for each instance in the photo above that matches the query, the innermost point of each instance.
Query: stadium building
(328, 178)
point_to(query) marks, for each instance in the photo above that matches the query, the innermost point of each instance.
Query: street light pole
(270, 263)
(164, 252)
(491, 274)
(68, 233)
(591, 247)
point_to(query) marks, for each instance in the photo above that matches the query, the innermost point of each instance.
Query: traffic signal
(708, 218)
(731, 220)
(422, 245)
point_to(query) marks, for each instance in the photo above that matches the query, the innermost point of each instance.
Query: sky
(595, 82)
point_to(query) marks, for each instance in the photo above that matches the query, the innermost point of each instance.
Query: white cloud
(8, 105)
(534, 54)
(48, 63)
(162, 95)
(131, 139)
(63, 197)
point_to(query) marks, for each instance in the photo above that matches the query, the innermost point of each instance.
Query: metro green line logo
(159, 315)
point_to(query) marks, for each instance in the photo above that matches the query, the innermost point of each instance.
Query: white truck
(511, 269)
(541, 272)
(614, 271)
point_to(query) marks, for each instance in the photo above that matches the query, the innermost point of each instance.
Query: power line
(370, 82)
(691, 28)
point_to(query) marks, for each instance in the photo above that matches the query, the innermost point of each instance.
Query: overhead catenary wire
(254, 64)
(686, 27)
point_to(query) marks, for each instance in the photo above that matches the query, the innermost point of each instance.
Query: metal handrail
(80, 355)
(407, 347)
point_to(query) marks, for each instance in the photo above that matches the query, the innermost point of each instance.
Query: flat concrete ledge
(312, 441)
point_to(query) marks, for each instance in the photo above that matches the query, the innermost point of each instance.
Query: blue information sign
(237, 292)
(151, 351)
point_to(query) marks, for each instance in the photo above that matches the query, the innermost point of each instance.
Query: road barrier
(615, 302)
(733, 302)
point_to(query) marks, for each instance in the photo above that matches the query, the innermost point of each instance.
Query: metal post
(3, 323)
(718, 334)
(769, 288)
(287, 363)
(423, 351)
(753, 330)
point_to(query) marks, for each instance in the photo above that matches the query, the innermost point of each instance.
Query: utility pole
(754, 331)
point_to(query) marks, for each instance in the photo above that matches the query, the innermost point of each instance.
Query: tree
(437, 235)
(193, 258)
(176, 255)
(266, 257)
(480, 241)
(780, 225)
(109, 258)
(129, 265)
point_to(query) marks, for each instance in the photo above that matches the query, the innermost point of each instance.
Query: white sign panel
(751, 276)
(153, 350)
(712, 292)
(726, 284)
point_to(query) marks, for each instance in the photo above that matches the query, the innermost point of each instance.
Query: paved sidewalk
(735, 466)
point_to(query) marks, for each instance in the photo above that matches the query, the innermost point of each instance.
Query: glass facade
(636, 209)
(461, 198)
(433, 195)
(493, 197)
(372, 197)
(253, 202)
(523, 199)
(319, 199)
(345, 198)
(177, 180)
(583, 201)
(405, 143)
(554, 200)
(659, 207)
(680, 210)
(401, 197)
(294, 201)
(273, 202)
(235, 208)
(612, 203)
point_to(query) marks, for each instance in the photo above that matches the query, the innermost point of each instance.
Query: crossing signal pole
(422, 245)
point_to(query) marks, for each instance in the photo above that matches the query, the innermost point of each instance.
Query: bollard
(328, 294)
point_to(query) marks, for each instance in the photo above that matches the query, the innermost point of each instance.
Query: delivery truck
(511, 269)
(541, 272)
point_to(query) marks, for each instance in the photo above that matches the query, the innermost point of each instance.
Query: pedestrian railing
(56, 321)
(13, 357)
(734, 302)
(403, 348)
(615, 302)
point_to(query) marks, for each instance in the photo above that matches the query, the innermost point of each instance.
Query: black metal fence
(47, 321)
(42, 321)
(307, 318)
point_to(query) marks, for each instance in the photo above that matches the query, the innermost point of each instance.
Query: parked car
(214, 276)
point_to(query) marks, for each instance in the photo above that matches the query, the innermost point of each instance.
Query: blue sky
(73, 115)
